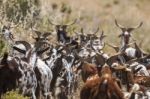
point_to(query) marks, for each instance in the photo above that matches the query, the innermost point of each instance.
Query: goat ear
(26, 44)
(4, 59)
(112, 59)
(42, 51)
(136, 70)
(100, 59)
(19, 50)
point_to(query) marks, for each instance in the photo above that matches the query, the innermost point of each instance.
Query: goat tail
(4, 59)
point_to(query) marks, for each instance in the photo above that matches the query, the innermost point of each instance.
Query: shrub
(13, 95)
(2, 45)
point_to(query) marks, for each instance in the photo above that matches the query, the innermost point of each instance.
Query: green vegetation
(2, 46)
(90, 14)
(13, 95)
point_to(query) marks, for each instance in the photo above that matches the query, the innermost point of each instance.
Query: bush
(13, 95)
(2, 45)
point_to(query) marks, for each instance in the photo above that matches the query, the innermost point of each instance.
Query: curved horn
(102, 35)
(51, 22)
(138, 26)
(38, 33)
(96, 30)
(38, 44)
(46, 34)
(118, 25)
(114, 47)
(76, 32)
(82, 31)
(14, 26)
(72, 22)
(43, 50)
(113, 59)
(103, 45)
(26, 44)
(19, 50)
(2, 18)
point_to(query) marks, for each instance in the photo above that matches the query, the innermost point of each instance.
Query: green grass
(2, 46)
(13, 95)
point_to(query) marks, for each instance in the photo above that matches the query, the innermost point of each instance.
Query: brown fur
(88, 70)
(142, 80)
(103, 86)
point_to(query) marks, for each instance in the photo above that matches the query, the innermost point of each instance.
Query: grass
(2, 46)
(90, 15)
(13, 95)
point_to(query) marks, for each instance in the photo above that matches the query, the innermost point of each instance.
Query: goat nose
(126, 33)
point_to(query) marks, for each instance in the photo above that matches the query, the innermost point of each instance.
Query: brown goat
(88, 70)
(103, 86)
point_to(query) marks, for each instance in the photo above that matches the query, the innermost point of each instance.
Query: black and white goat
(43, 72)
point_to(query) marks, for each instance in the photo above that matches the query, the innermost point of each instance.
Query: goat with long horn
(126, 33)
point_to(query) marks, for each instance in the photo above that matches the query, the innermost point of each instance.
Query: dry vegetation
(90, 14)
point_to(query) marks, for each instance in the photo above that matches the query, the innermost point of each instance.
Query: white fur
(46, 76)
(130, 52)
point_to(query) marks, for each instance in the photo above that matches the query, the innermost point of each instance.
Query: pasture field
(90, 14)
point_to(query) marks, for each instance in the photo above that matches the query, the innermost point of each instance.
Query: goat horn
(1, 20)
(96, 30)
(113, 46)
(38, 44)
(43, 50)
(118, 25)
(38, 33)
(14, 26)
(26, 44)
(19, 50)
(102, 35)
(82, 31)
(138, 26)
(103, 46)
(76, 32)
(52, 22)
(46, 34)
(72, 22)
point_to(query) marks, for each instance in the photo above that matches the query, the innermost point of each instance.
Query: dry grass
(93, 13)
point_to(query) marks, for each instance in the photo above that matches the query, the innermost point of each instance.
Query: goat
(103, 86)
(43, 72)
(126, 33)
(9, 74)
(61, 31)
(28, 82)
(15, 72)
